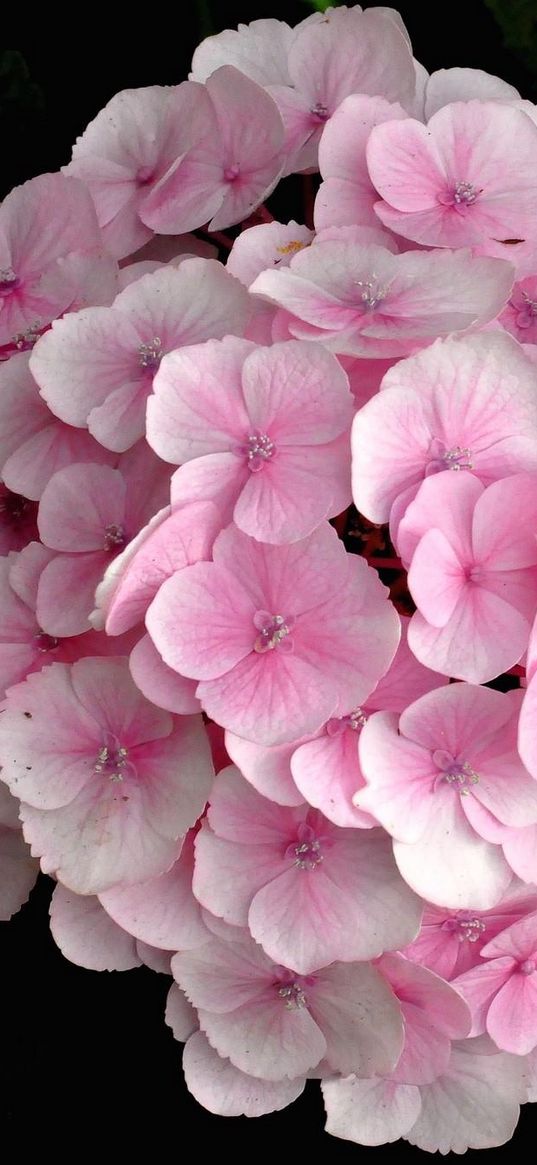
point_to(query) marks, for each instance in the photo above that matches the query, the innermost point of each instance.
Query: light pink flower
(34, 444)
(233, 165)
(435, 779)
(126, 150)
(95, 368)
(271, 244)
(259, 50)
(364, 300)
(86, 935)
(117, 503)
(346, 195)
(502, 991)
(109, 783)
(309, 892)
(325, 769)
(450, 942)
(24, 646)
(273, 1023)
(472, 572)
(223, 1089)
(474, 1104)
(468, 404)
(267, 430)
(448, 85)
(348, 51)
(278, 636)
(52, 256)
(467, 179)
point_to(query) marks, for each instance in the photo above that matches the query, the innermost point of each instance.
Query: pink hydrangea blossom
(127, 149)
(474, 1104)
(363, 300)
(82, 748)
(52, 256)
(24, 646)
(346, 195)
(95, 368)
(274, 1024)
(233, 165)
(278, 636)
(446, 86)
(450, 184)
(472, 572)
(309, 892)
(271, 244)
(117, 503)
(501, 990)
(436, 778)
(451, 407)
(268, 431)
(324, 770)
(226, 1091)
(450, 942)
(34, 443)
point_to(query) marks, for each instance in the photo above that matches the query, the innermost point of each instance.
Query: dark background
(86, 1062)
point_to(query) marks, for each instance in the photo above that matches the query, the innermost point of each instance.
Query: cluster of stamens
(456, 458)
(293, 995)
(273, 632)
(526, 311)
(8, 279)
(112, 759)
(320, 111)
(114, 537)
(465, 193)
(467, 929)
(372, 293)
(306, 851)
(258, 450)
(24, 340)
(150, 354)
(457, 773)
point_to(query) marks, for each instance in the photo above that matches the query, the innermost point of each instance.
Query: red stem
(386, 563)
(218, 237)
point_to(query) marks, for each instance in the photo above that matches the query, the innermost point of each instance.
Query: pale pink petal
(225, 1090)
(87, 936)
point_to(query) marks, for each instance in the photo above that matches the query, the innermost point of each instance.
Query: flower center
(306, 850)
(456, 772)
(258, 450)
(231, 173)
(273, 632)
(293, 994)
(354, 721)
(144, 175)
(320, 111)
(463, 194)
(151, 354)
(112, 759)
(8, 281)
(467, 928)
(528, 967)
(372, 292)
(291, 248)
(24, 340)
(456, 458)
(45, 642)
(114, 537)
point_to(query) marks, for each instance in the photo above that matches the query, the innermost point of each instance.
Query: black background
(86, 1062)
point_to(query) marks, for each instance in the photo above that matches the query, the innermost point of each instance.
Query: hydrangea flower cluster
(268, 524)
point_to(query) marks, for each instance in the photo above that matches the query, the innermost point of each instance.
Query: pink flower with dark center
(109, 783)
(225, 622)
